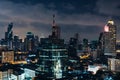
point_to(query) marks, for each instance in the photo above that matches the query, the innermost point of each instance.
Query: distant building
(4, 75)
(17, 43)
(110, 39)
(17, 75)
(5, 72)
(29, 73)
(100, 47)
(9, 36)
(29, 42)
(93, 45)
(85, 45)
(107, 44)
(72, 47)
(114, 64)
(7, 56)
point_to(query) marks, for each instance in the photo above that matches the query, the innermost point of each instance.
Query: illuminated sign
(106, 28)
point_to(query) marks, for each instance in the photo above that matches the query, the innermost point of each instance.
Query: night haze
(86, 17)
(59, 39)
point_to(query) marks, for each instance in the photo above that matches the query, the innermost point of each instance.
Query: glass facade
(53, 57)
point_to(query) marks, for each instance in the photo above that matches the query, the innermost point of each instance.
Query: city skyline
(87, 18)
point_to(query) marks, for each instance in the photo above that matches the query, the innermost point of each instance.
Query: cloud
(22, 16)
(109, 7)
(37, 18)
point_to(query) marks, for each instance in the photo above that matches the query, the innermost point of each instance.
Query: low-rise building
(114, 64)
(7, 56)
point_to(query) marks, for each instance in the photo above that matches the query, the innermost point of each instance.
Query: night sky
(86, 17)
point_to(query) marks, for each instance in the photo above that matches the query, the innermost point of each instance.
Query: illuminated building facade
(3, 74)
(7, 56)
(114, 64)
(53, 57)
(31, 42)
(110, 39)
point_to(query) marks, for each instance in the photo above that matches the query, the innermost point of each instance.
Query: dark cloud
(41, 26)
(84, 31)
(81, 28)
(109, 7)
(86, 17)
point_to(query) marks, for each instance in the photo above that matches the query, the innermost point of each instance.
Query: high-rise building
(53, 55)
(53, 58)
(9, 33)
(29, 42)
(110, 39)
(93, 45)
(17, 43)
(100, 46)
(9, 36)
(72, 47)
(85, 45)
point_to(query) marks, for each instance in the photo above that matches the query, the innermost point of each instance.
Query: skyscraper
(9, 33)
(53, 55)
(110, 39)
(53, 58)
(72, 47)
(85, 45)
(29, 42)
(9, 36)
(17, 43)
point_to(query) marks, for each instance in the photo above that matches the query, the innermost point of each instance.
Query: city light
(106, 28)
(93, 68)
(111, 22)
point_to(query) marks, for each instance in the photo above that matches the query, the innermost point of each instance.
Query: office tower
(100, 45)
(77, 38)
(17, 43)
(93, 45)
(9, 36)
(9, 33)
(29, 42)
(72, 47)
(53, 56)
(36, 43)
(85, 45)
(110, 39)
